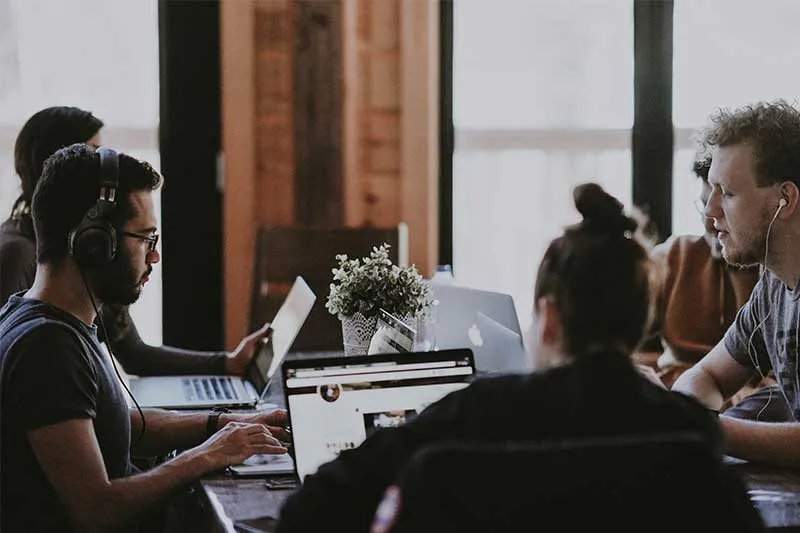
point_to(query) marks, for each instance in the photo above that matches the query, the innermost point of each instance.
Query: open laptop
(498, 350)
(335, 403)
(198, 392)
(456, 314)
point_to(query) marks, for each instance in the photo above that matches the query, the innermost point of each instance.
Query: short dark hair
(600, 277)
(70, 185)
(44, 133)
(771, 129)
(701, 166)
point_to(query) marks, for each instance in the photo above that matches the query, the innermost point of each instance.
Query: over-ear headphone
(93, 242)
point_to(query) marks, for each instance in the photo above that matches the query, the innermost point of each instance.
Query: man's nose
(711, 207)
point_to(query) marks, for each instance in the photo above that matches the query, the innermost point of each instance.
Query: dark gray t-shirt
(55, 371)
(765, 335)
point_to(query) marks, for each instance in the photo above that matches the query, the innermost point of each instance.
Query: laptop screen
(285, 326)
(336, 403)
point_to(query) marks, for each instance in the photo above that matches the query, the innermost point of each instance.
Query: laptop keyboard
(212, 389)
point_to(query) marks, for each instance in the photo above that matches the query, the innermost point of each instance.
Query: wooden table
(225, 499)
(775, 493)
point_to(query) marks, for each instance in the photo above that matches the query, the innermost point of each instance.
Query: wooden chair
(284, 252)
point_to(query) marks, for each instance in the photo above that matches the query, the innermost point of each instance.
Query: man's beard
(117, 283)
(750, 256)
(751, 249)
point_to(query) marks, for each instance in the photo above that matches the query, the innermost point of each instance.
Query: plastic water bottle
(443, 275)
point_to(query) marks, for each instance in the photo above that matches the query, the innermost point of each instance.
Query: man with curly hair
(755, 208)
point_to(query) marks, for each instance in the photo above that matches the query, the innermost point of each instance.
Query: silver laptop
(198, 392)
(498, 350)
(456, 314)
(335, 403)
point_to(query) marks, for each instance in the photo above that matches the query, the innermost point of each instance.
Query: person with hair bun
(592, 305)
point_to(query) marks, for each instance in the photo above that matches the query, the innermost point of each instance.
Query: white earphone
(754, 358)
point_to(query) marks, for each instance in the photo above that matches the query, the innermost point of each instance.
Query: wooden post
(238, 161)
(419, 129)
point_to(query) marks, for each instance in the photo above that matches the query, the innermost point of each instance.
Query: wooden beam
(318, 112)
(419, 129)
(352, 195)
(237, 24)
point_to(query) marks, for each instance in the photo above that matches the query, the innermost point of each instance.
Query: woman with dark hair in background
(592, 306)
(44, 133)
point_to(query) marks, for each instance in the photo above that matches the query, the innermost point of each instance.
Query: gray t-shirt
(764, 336)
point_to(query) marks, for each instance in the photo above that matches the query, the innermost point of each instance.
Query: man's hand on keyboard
(236, 442)
(275, 421)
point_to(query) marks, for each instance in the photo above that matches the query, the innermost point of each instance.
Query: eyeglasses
(700, 205)
(151, 238)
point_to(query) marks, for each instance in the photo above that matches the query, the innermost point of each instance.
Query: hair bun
(600, 210)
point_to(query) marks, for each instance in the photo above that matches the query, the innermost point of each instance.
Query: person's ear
(549, 321)
(789, 200)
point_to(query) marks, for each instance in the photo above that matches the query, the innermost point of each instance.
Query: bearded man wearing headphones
(67, 431)
(755, 206)
(43, 133)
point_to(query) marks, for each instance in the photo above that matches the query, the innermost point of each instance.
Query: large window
(542, 101)
(98, 55)
(727, 53)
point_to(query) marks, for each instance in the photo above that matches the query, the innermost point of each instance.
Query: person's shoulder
(682, 251)
(41, 338)
(40, 319)
(507, 381)
(690, 406)
(679, 407)
(45, 330)
(484, 392)
(17, 228)
(16, 240)
(682, 245)
(495, 392)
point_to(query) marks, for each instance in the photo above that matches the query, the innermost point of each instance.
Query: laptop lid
(334, 403)
(285, 326)
(457, 311)
(198, 391)
(498, 349)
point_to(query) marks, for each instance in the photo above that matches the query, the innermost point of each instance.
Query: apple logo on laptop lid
(475, 335)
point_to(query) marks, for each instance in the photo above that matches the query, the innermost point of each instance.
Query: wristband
(213, 420)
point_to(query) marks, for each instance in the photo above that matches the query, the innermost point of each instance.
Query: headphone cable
(113, 362)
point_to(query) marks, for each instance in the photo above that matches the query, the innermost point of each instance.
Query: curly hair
(771, 129)
(701, 166)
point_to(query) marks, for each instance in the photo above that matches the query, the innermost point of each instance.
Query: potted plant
(362, 287)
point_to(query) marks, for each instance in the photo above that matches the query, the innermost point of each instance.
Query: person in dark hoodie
(593, 303)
